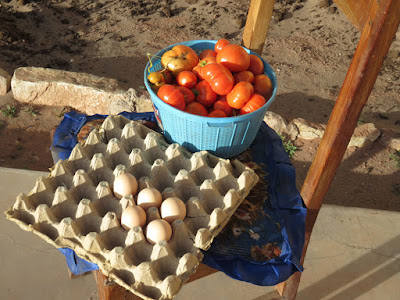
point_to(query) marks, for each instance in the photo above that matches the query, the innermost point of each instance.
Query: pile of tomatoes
(223, 82)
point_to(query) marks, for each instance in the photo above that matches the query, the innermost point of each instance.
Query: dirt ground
(310, 45)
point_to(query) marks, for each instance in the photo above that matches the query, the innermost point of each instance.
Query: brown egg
(133, 216)
(172, 209)
(125, 184)
(149, 197)
(158, 230)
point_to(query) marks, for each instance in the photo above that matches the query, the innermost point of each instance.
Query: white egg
(158, 230)
(133, 216)
(149, 197)
(125, 184)
(173, 209)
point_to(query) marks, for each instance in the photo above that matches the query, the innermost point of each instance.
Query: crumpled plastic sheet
(263, 249)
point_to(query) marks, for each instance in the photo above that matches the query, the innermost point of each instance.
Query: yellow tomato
(179, 58)
(156, 79)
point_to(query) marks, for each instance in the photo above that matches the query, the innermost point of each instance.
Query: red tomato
(234, 57)
(263, 86)
(254, 103)
(256, 65)
(217, 114)
(220, 44)
(240, 94)
(172, 96)
(219, 77)
(224, 106)
(187, 79)
(206, 95)
(196, 108)
(167, 76)
(206, 53)
(244, 76)
(188, 95)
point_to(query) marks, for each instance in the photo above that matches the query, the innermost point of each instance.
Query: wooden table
(378, 21)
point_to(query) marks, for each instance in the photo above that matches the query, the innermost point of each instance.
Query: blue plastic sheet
(263, 241)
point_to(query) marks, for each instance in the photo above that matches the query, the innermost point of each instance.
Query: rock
(292, 131)
(276, 122)
(392, 140)
(394, 143)
(364, 134)
(84, 92)
(131, 102)
(5, 82)
(308, 130)
(325, 3)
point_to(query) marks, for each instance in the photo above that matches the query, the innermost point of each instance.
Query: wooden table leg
(109, 290)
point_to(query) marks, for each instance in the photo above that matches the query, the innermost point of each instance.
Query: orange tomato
(179, 58)
(187, 79)
(240, 94)
(254, 103)
(219, 77)
(220, 44)
(206, 53)
(234, 57)
(263, 86)
(196, 108)
(256, 65)
(197, 70)
(244, 76)
(206, 95)
(224, 106)
(172, 96)
(217, 114)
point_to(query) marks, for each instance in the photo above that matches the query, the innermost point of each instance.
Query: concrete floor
(354, 253)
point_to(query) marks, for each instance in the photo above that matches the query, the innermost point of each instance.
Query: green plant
(9, 111)
(31, 110)
(396, 158)
(360, 121)
(288, 146)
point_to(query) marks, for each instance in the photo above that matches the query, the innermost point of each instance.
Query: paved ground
(354, 254)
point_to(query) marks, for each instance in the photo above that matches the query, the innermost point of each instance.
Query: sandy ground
(310, 45)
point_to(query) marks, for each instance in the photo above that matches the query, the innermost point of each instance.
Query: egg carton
(75, 207)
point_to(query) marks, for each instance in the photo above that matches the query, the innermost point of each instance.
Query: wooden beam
(356, 10)
(256, 29)
(376, 38)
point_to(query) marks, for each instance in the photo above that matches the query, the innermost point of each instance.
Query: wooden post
(375, 41)
(258, 19)
(357, 11)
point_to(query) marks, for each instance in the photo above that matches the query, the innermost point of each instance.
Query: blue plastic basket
(223, 137)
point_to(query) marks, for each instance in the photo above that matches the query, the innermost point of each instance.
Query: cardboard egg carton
(75, 207)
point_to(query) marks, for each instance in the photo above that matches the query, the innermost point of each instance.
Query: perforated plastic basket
(224, 137)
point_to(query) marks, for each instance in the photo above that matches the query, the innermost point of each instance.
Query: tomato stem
(149, 57)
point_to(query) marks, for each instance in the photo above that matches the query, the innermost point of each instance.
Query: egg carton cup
(74, 206)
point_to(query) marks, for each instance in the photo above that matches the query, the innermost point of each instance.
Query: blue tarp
(263, 241)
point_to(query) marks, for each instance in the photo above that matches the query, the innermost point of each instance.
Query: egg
(172, 209)
(133, 216)
(158, 230)
(149, 197)
(125, 184)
